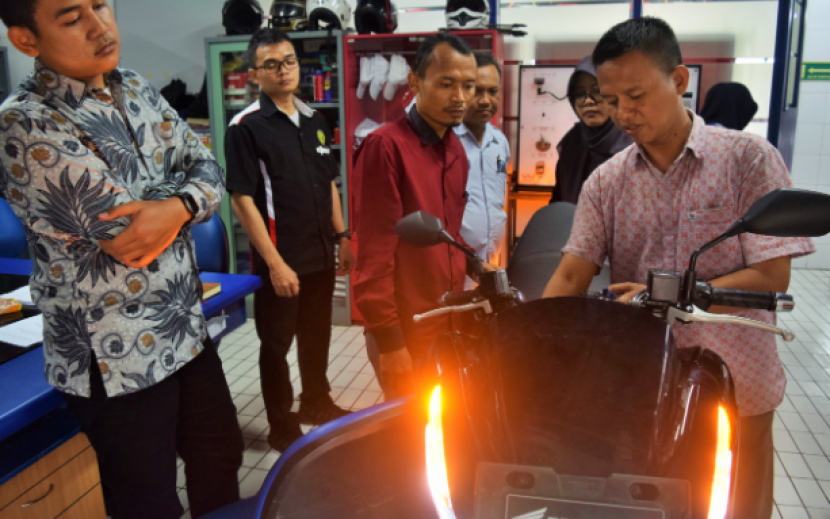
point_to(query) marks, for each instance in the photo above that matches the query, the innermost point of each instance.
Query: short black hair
(262, 38)
(19, 13)
(648, 35)
(485, 60)
(424, 57)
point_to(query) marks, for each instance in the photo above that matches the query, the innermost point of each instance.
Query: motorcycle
(575, 407)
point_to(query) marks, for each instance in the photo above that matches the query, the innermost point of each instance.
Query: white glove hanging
(398, 72)
(367, 74)
(381, 75)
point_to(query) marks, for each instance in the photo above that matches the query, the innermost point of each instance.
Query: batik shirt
(68, 152)
(643, 219)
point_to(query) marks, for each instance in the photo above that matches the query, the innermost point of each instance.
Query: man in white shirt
(484, 222)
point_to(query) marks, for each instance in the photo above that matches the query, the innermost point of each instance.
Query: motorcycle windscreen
(582, 384)
(367, 468)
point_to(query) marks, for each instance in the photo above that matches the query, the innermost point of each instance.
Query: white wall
(811, 161)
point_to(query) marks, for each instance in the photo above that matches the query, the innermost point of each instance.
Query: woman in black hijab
(592, 141)
(729, 105)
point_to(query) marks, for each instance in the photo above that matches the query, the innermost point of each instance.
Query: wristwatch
(345, 234)
(189, 204)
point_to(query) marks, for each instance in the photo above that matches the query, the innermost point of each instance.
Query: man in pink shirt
(650, 206)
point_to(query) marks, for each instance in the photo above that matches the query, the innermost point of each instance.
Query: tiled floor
(802, 430)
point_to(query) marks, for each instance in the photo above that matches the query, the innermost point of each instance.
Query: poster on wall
(691, 99)
(545, 116)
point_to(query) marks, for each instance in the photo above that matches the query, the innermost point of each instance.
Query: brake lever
(699, 316)
(483, 305)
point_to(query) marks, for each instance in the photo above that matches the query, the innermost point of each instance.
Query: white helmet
(467, 14)
(328, 14)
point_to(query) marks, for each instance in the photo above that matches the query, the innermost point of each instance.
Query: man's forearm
(255, 228)
(572, 278)
(768, 276)
(336, 210)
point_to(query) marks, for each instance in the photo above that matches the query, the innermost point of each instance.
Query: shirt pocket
(495, 181)
(708, 224)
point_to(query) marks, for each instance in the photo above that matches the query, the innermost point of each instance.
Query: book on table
(210, 289)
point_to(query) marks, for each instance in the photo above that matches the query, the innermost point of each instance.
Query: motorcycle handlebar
(756, 300)
(459, 298)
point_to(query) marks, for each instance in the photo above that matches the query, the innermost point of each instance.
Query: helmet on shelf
(328, 14)
(375, 16)
(289, 15)
(467, 14)
(241, 16)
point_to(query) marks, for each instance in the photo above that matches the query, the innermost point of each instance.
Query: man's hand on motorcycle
(625, 292)
(396, 373)
(154, 224)
(284, 280)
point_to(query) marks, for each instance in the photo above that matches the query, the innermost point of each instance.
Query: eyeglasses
(581, 97)
(273, 66)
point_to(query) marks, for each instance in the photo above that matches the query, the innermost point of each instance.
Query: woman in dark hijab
(729, 105)
(592, 141)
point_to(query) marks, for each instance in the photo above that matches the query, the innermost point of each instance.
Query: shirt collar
(464, 132)
(422, 128)
(68, 89)
(694, 142)
(269, 107)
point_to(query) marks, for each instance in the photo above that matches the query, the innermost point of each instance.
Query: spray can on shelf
(328, 86)
(319, 87)
(337, 133)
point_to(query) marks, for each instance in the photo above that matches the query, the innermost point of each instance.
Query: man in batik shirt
(107, 180)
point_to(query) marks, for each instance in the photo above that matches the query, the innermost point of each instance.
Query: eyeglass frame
(280, 65)
(596, 97)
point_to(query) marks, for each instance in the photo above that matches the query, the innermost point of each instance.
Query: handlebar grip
(754, 300)
(458, 298)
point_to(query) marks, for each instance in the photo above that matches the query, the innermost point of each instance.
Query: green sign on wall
(815, 71)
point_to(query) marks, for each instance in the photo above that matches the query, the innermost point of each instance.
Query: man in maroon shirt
(415, 163)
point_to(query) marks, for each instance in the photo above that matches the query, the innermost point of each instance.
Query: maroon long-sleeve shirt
(401, 168)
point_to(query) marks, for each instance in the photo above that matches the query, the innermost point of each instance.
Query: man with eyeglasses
(281, 172)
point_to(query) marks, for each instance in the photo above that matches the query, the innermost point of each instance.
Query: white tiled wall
(811, 162)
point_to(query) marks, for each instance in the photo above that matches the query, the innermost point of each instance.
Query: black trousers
(137, 436)
(278, 320)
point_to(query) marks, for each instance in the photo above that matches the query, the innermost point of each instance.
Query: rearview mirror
(787, 213)
(421, 229)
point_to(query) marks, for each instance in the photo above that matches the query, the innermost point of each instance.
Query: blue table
(24, 394)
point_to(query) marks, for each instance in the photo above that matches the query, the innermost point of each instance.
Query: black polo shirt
(288, 172)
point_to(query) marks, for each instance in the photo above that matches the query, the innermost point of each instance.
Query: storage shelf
(324, 105)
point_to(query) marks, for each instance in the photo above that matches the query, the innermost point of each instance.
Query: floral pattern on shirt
(69, 152)
(643, 219)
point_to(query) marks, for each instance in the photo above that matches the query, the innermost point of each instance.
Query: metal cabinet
(229, 92)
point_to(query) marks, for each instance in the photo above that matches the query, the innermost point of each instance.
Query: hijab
(583, 148)
(729, 105)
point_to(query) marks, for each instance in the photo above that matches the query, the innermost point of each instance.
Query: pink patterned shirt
(642, 219)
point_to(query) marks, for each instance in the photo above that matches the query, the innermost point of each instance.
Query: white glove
(364, 129)
(367, 73)
(381, 75)
(398, 71)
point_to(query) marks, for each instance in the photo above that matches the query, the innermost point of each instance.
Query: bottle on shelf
(337, 133)
(327, 87)
(319, 87)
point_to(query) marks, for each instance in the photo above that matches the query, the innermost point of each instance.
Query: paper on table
(22, 295)
(23, 333)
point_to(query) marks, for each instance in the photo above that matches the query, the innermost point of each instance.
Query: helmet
(289, 15)
(467, 14)
(335, 14)
(378, 16)
(241, 16)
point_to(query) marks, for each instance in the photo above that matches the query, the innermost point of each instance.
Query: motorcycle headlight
(723, 468)
(436, 461)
